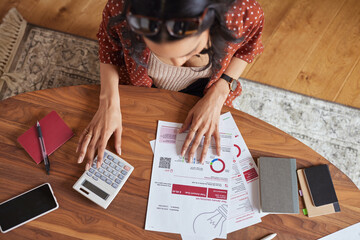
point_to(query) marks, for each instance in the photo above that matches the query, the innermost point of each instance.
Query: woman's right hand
(106, 122)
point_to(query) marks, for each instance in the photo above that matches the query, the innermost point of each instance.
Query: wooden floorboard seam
(314, 46)
(270, 36)
(346, 79)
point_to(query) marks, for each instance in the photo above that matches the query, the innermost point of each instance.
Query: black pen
(43, 149)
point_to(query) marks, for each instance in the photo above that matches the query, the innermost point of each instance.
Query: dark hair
(166, 9)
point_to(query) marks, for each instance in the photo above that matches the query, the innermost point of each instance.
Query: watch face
(233, 85)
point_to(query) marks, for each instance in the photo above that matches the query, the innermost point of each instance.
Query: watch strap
(226, 77)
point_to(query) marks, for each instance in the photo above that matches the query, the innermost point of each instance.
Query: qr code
(164, 162)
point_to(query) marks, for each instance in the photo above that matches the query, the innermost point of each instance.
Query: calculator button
(127, 168)
(92, 170)
(103, 178)
(117, 168)
(109, 169)
(121, 164)
(112, 165)
(98, 174)
(108, 181)
(114, 185)
(121, 176)
(107, 161)
(110, 157)
(95, 178)
(114, 172)
(89, 174)
(112, 177)
(94, 165)
(116, 160)
(123, 172)
(105, 154)
(101, 170)
(103, 166)
(107, 174)
(118, 181)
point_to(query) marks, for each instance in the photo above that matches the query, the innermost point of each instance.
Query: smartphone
(26, 207)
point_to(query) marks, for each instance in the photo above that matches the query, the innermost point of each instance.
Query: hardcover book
(321, 187)
(312, 210)
(278, 185)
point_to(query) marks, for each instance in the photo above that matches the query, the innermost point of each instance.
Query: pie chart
(217, 165)
(239, 150)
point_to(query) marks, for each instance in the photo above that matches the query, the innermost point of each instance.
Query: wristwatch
(233, 83)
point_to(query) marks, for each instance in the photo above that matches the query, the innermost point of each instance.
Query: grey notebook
(278, 185)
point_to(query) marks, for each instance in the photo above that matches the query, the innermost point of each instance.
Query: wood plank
(350, 93)
(293, 41)
(274, 12)
(334, 57)
(81, 17)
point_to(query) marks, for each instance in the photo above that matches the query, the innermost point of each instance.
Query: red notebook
(55, 133)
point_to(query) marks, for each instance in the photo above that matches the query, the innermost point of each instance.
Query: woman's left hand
(203, 120)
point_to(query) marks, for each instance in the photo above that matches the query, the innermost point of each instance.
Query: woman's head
(172, 29)
(164, 21)
(177, 29)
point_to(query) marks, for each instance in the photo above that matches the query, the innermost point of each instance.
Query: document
(190, 199)
(244, 202)
(188, 181)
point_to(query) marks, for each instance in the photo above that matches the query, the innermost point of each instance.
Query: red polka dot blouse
(245, 18)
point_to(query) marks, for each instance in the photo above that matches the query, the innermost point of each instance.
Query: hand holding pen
(43, 149)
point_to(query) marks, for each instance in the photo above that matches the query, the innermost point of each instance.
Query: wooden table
(77, 217)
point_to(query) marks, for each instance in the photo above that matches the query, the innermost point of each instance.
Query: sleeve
(110, 52)
(253, 26)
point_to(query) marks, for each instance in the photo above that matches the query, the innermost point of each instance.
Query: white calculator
(103, 184)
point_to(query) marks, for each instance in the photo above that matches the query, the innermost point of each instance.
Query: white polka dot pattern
(245, 18)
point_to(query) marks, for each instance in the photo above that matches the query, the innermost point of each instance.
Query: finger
(83, 147)
(117, 135)
(187, 123)
(90, 153)
(83, 134)
(188, 140)
(195, 145)
(206, 145)
(101, 148)
(217, 140)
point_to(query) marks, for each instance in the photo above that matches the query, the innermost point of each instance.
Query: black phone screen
(26, 206)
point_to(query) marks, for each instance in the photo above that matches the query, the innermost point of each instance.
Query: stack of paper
(202, 201)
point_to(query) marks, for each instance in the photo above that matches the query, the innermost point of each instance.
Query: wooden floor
(311, 46)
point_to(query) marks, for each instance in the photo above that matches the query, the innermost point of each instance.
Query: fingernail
(77, 149)
(119, 150)
(87, 167)
(80, 159)
(98, 165)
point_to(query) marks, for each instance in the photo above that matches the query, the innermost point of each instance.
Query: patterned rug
(34, 58)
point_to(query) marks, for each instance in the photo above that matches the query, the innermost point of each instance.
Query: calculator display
(95, 189)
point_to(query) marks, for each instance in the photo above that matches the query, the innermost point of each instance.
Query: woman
(198, 47)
